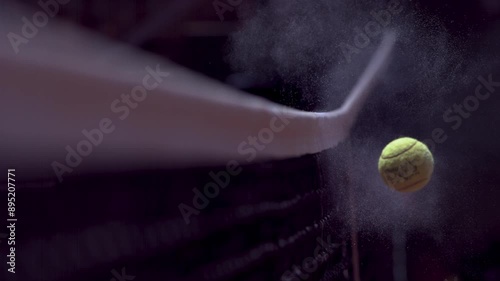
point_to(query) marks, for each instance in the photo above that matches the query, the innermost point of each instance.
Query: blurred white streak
(60, 83)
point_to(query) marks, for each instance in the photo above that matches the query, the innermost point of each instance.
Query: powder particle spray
(321, 47)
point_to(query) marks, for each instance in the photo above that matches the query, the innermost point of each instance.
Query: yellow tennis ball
(406, 165)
